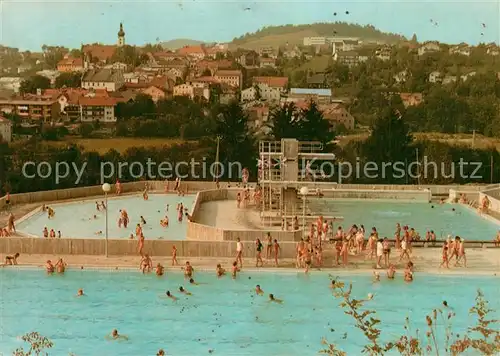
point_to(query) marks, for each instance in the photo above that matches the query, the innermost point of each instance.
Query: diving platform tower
(284, 169)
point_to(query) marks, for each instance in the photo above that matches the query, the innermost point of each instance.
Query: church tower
(121, 36)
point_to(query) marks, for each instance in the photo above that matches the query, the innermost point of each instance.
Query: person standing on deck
(239, 252)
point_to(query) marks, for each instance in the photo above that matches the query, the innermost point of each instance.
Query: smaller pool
(384, 215)
(76, 220)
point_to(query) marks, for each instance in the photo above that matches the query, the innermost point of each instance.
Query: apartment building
(32, 107)
(233, 78)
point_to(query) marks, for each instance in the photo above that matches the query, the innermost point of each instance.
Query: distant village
(199, 72)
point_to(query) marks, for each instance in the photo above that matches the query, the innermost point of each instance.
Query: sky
(29, 24)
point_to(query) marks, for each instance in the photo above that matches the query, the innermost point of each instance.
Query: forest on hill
(343, 29)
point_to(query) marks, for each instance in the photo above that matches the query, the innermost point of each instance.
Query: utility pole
(217, 159)
(491, 168)
(418, 168)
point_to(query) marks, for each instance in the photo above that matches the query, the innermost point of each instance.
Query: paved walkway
(479, 261)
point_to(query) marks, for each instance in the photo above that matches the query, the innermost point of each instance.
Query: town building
(121, 36)
(197, 52)
(280, 83)
(11, 83)
(461, 49)
(233, 78)
(99, 109)
(109, 79)
(321, 96)
(350, 58)
(193, 90)
(384, 53)
(258, 117)
(5, 129)
(228, 93)
(261, 92)
(466, 76)
(70, 64)
(337, 115)
(411, 99)
(428, 47)
(435, 77)
(32, 107)
(267, 62)
(212, 66)
(449, 79)
(155, 93)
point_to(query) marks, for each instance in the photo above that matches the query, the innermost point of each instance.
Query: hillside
(294, 34)
(179, 43)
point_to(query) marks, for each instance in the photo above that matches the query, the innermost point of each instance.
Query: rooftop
(228, 73)
(309, 91)
(103, 75)
(274, 82)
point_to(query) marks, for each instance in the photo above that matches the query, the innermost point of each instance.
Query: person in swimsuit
(140, 244)
(258, 290)
(183, 291)
(219, 271)
(188, 270)
(259, 247)
(174, 256)
(11, 260)
(115, 336)
(80, 293)
(146, 264)
(461, 253)
(391, 271)
(275, 300)
(408, 275)
(49, 267)
(159, 270)
(277, 249)
(444, 257)
(11, 227)
(269, 246)
(239, 252)
(387, 250)
(235, 269)
(60, 266)
(170, 295)
(307, 260)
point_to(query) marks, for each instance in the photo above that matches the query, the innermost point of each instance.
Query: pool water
(384, 215)
(76, 220)
(222, 315)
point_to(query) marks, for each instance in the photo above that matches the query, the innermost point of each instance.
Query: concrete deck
(479, 262)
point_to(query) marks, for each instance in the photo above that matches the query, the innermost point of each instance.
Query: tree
(69, 80)
(284, 122)
(33, 83)
(38, 344)
(313, 126)
(389, 143)
(236, 142)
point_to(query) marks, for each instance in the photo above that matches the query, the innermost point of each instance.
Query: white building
(11, 83)
(109, 79)
(435, 77)
(428, 47)
(266, 93)
(5, 129)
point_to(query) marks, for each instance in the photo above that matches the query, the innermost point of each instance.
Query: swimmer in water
(275, 300)
(235, 269)
(258, 290)
(49, 267)
(391, 271)
(115, 336)
(182, 290)
(159, 270)
(191, 281)
(219, 270)
(170, 295)
(376, 277)
(80, 293)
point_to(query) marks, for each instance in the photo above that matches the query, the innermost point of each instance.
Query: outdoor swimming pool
(76, 219)
(421, 216)
(222, 315)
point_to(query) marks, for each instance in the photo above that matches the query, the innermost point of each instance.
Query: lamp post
(106, 188)
(304, 191)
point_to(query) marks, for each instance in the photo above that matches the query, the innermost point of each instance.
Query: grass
(480, 141)
(120, 144)
(317, 63)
